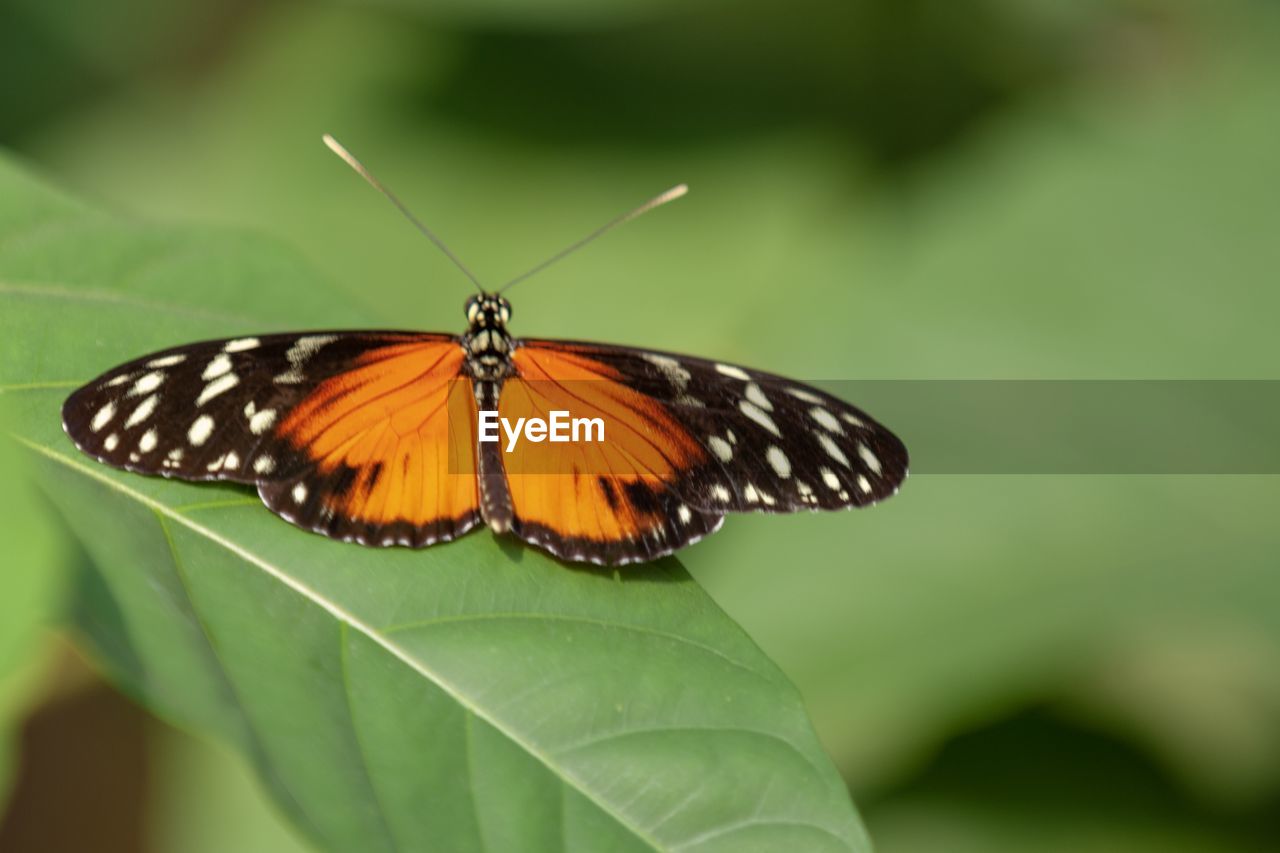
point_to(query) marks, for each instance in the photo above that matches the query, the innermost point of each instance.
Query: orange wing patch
(615, 492)
(392, 440)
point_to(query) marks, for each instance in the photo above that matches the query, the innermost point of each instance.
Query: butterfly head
(487, 311)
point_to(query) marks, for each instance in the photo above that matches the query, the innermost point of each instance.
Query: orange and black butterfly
(374, 436)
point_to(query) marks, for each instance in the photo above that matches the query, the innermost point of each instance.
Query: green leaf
(476, 695)
(30, 584)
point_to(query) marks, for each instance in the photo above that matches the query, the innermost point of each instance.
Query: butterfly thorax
(487, 343)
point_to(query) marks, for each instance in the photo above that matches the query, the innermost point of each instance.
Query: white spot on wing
(833, 449)
(685, 514)
(200, 430)
(750, 494)
(720, 448)
(167, 360)
(873, 461)
(781, 464)
(864, 484)
(829, 477)
(802, 394)
(670, 368)
(758, 415)
(241, 344)
(117, 380)
(264, 464)
(144, 410)
(735, 372)
(852, 419)
(223, 383)
(232, 461)
(299, 493)
(103, 416)
(721, 494)
(826, 420)
(262, 421)
(147, 383)
(148, 441)
(112, 442)
(302, 350)
(755, 395)
(220, 364)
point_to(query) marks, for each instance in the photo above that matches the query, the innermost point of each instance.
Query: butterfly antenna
(657, 201)
(336, 148)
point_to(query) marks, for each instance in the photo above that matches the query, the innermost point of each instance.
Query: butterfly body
(487, 343)
(374, 436)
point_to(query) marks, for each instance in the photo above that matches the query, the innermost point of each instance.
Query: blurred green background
(880, 189)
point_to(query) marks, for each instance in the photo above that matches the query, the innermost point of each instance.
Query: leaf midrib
(343, 616)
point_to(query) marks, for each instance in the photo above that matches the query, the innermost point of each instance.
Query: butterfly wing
(358, 435)
(691, 440)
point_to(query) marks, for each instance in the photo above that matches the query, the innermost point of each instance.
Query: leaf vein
(514, 616)
(256, 744)
(729, 829)
(343, 655)
(587, 743)
(468, 751)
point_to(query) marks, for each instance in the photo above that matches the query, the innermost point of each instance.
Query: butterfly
(386, 437)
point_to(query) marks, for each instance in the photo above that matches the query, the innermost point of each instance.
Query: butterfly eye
(473, 309)
(504, 312)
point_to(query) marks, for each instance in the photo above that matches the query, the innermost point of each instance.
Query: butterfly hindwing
(267, 409)
(767, 443)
